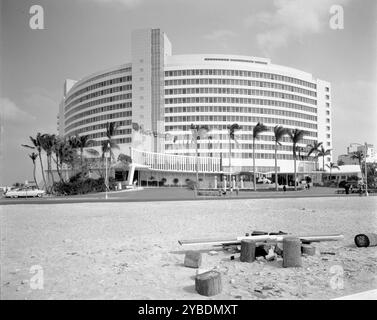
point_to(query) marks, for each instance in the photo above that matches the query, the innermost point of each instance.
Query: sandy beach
(130, 250)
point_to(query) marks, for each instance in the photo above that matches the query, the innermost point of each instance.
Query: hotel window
(327, 89)
(328, 128)
(327, 97)
(327, 105)
(328, 144)
(328, 112)
(328, 136)
(328, 120)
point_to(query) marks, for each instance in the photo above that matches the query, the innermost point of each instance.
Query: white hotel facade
(157, 96)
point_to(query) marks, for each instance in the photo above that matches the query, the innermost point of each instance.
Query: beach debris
(308, 249)
(232, 249)
(366, 240)
(208, 283)
(261, 238)
(328, 252)
(247, 251)
(232, 281)
(259, 294)
(193, 259)
(268, 287)
(213, 253)
(278, 249)
(202, 270)
(262, 250)
(291, 252)
(260, 259)
(231, 257)
(271, 255)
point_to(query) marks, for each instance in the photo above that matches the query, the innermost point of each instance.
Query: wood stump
(193, 259)
(291, 252)
(208, 283)
(307, 249)
(366, 240)
(247, 251)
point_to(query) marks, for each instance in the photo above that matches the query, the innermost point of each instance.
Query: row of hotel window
(235, 146)
(238, 82)
(98, 85)
(98, 94)
(187, 139)
(118, 132)
(265, 102)
(100, 126)
(117, 141)
(230, 109)
(234, 100)
(230, 118)
(235, 91)
(239, 73)
(100, 118)
(249, 155)
(219, 127)
(100, 101)
(111, 107)
(107, 74)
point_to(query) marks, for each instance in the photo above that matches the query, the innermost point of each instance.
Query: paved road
(172, 194)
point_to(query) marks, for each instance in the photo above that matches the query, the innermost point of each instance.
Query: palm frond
(279, 133)
(258, 129)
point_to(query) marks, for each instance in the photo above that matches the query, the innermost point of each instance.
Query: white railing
(171, 162)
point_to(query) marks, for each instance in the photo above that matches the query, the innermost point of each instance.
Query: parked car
(264, 180)
(24, 192)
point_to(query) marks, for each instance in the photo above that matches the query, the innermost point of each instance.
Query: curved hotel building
(157, 96)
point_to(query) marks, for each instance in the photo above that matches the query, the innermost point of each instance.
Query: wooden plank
(261, 238)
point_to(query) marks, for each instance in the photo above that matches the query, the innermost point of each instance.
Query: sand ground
(130, 250)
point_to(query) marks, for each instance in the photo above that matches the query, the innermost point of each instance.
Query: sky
(84, 36)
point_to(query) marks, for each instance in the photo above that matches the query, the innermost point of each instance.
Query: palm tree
(36, 144)
(48, 142)
(33, 156)
(231, 130)
(257, 130)
(279, 133)
(331, 166)
(323, 153)
(64, 153)
(315, 149)
(359, 156)
(83, 142)
(198, 132)
(109, 144)
(296, 136)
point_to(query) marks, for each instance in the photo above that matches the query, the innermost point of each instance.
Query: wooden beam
(261, 238)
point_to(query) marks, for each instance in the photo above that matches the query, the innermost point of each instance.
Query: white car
(24, 192)
(264, 180)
